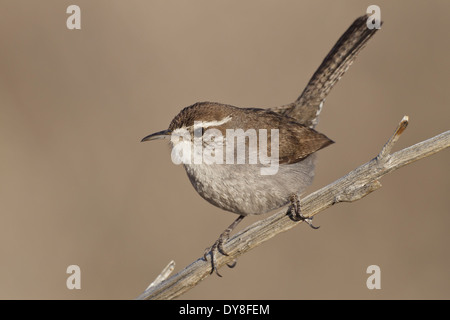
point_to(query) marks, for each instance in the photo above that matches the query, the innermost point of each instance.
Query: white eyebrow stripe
(206, 124)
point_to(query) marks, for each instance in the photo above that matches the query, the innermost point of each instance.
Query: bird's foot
(218, 246)
(295, 213)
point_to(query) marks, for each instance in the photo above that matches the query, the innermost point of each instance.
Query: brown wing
(297, 142)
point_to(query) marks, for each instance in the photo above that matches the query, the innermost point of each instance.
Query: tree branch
(353, 186)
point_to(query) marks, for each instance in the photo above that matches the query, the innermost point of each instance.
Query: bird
(250, 161)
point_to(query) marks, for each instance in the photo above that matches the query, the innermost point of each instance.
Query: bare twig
(353, 186)
(390, 144)
(165, 273)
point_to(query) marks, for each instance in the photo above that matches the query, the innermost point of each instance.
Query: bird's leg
(295, 213)
(218, 245)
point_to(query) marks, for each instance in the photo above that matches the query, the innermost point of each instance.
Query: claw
(309, 222)
(211, 252)
(218, 246)
(295, 213)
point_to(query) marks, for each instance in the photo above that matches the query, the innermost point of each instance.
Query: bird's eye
(199, 131)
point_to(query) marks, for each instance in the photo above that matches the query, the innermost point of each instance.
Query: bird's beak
(165, 134)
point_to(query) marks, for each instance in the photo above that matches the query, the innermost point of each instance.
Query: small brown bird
(251, 161)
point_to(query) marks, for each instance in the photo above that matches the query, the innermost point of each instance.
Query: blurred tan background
(77, 187)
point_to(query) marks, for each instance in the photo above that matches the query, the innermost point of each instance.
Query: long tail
(307, 107)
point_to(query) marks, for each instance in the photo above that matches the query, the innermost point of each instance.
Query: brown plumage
(296, 141)
(308, 105)
(242, 188)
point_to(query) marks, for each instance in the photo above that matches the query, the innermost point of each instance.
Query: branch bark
(351, 187)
